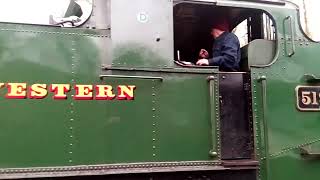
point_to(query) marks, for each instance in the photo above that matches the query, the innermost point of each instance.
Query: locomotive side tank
(102, 87)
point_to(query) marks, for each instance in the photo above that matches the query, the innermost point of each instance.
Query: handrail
(304, 152)
(263, 80)
(292, 37)
(311, 78)
(213, 118)
(135, 77)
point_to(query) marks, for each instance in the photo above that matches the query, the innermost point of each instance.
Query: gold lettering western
(65, 91)
(126, 92)
(104, 92)
(16, 90)
(84, 92)
(38, 91)
(60, 90)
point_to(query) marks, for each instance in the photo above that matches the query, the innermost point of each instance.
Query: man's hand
(203, 62)
(203, 53)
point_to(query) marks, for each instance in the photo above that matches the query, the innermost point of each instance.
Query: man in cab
(225, 50)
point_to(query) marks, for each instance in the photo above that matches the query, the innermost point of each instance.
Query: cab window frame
(275, 37)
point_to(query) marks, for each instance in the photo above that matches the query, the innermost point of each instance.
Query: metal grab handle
(292, 37)
(134, 77)
(309, 154)
(211, 80)
(311, 78)
(263, 80)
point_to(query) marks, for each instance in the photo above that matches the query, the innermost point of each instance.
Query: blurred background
(309, 12)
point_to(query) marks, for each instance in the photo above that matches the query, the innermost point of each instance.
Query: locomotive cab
(256, 32)
(102, 87)
(254, 28)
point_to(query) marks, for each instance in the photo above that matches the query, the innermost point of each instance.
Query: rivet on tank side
(71, 107)
(154, 118)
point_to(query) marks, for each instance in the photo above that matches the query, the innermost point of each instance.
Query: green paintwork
(287, 128)
(44, 133)
(169, 120)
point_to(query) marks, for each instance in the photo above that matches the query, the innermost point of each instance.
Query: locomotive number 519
(308, 98)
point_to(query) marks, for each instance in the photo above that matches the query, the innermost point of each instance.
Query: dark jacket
(226, 52)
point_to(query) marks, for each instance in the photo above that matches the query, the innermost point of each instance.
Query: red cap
(221, 24)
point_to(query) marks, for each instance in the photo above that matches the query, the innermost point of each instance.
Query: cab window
(254, 28)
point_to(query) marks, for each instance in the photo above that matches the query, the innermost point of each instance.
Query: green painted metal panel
(33, 132)
(286, 127)
(142, 35)
(47, 132)
(169, 120)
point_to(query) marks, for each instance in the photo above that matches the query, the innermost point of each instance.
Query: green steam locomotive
(106, 89)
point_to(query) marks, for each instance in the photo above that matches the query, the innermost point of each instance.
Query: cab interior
(256, 32)
(254, 27)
